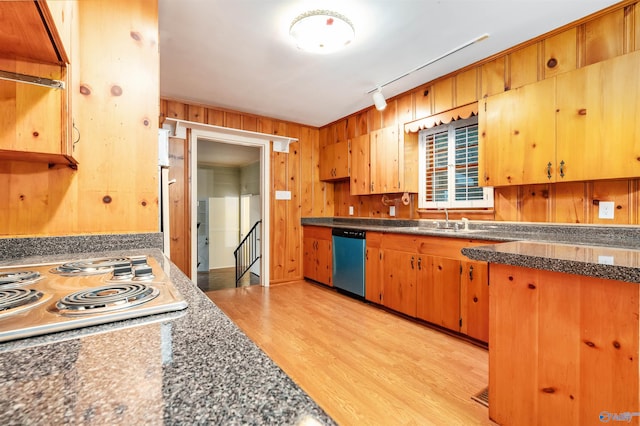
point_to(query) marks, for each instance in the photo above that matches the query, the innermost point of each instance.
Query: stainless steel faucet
(446, 216)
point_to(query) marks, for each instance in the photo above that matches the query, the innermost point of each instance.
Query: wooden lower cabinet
(373, 268)
(474, 299)
(399, 284)
(317, 261)
(438, 293)
(429, 278)
(564, 348)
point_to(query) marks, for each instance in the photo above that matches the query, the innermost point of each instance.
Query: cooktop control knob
(138, 260)
(122, 272)
(142, 272)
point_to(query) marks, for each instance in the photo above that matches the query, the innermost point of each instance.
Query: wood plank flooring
(361, 364)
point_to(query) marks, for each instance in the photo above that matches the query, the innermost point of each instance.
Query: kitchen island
(186, 367)
(563, 333)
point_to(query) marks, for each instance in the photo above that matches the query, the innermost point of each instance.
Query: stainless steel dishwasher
(349, 247)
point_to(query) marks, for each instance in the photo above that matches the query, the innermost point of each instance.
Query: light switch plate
(605, 209)
(350, 210)
(283, 195)
(392, 211)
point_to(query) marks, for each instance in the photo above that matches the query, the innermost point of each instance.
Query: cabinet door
(373, 275)
(399, 286)
(384, 155)
(341, 160)
(309, 263)
(517, 131)
(326, 162)
(324, 262)
(598, 128)
(360, 166)
(474, 300)
(438, 291)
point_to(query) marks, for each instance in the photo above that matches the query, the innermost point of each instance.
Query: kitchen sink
(442, 230)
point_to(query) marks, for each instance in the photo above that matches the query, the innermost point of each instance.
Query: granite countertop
(596, 261)
(611, 252)
(189, 367)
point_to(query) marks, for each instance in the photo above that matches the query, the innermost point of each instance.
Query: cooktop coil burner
(90, 266)
(14, 300)
(106, 298)
(18, 278)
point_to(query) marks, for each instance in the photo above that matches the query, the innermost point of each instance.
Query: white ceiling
(237, 54)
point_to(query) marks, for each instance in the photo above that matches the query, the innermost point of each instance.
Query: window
(449, 167)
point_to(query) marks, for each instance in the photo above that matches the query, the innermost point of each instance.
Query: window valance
(445, 117)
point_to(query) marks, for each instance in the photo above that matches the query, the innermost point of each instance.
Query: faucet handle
(466, 223)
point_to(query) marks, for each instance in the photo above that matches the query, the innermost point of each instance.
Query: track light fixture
(378, 99)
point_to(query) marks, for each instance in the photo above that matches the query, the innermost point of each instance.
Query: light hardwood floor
(361, 364)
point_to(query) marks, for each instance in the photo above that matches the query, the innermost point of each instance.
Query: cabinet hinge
(485, 107)
(398, 184)
(460, 322)
(460, 269)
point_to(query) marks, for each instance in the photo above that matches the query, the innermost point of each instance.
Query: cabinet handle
(419, 263)
(412, 259)
(549, 170)
(562, 168)
(366, 256)
(470, 273)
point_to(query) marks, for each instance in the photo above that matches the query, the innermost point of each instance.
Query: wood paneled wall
(604, 35)
(115, 110)
(297, 171)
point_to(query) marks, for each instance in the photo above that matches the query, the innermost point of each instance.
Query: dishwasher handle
(357, 234)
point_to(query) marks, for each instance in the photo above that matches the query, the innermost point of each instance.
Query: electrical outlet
(605, 209)
(392, 211)
(350, 210)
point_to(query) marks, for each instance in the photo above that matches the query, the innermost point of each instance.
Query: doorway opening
(224, 182)
(228, 206)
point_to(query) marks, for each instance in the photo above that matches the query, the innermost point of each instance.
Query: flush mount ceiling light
(321, 31)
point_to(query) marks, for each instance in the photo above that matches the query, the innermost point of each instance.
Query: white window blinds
(449, 167)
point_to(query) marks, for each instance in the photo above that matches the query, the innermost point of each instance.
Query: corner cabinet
(38, 117)
(579, 125)
(317, 262)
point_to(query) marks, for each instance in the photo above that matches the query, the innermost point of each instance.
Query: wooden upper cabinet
(517, 135)
(598, 130)
(385, 160)
(37, 117)
(360, 166)
(334, 161)
(577, 126)
(30, 32)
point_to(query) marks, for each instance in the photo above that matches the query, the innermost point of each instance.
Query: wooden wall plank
(604, 37)
(492, 77)
(523, 66)
(466, 87)
(560, 53)
(443, 95)
(422, 100)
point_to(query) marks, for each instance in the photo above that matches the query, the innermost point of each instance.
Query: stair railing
(248, 252)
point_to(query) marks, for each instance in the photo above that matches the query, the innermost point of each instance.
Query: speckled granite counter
(188, 367)
(596, 261)
(611, 252)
